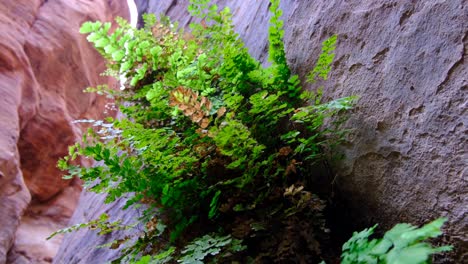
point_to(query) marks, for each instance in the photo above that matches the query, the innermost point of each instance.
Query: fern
(201, 248)
(209, 137)
(323, 65)
(402, 244)
(101, 224)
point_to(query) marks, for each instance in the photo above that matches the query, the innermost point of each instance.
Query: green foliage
(323, 66)
(162, 257)
(403, 244)
(218, 148)
(102, 225)
(213, 140)
(197, 251)
(277, 55)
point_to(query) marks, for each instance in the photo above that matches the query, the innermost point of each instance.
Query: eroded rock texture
(406, 60)
(83, 246)
(44, 66)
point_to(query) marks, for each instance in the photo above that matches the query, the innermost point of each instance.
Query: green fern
(403, 244)
(209, 136)
(201, 248)
(323, 65)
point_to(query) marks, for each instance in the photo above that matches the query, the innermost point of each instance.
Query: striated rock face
(406, 157)
(82, 246)
(44, 66)
(250, 18)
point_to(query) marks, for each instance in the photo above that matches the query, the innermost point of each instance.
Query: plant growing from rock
(217, 147)
(215, 144)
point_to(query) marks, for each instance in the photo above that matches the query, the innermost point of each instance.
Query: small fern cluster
(404, 244)
(214, 143)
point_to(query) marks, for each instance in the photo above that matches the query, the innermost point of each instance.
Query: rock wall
(406, 157)
(44, 66)
(83, 246)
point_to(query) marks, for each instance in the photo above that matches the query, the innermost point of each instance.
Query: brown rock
(14, 195)
(71, 66)
(44, 66)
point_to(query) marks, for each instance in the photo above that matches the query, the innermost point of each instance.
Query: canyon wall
(405, 159)
(44, 66)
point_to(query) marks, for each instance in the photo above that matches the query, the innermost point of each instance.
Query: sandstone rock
(14, 194)
(44, 66)
(406, 157)
(39, 221)
(71, 66)
(14, 75)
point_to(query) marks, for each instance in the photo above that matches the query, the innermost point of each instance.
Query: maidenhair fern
(214, 143)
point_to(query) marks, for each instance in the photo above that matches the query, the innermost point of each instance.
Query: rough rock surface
(406, 157)
(44, 66)
(82, 246)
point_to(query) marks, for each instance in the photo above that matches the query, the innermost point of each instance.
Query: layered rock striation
(44, 66)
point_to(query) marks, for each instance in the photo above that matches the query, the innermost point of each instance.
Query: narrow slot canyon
(404, 159)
